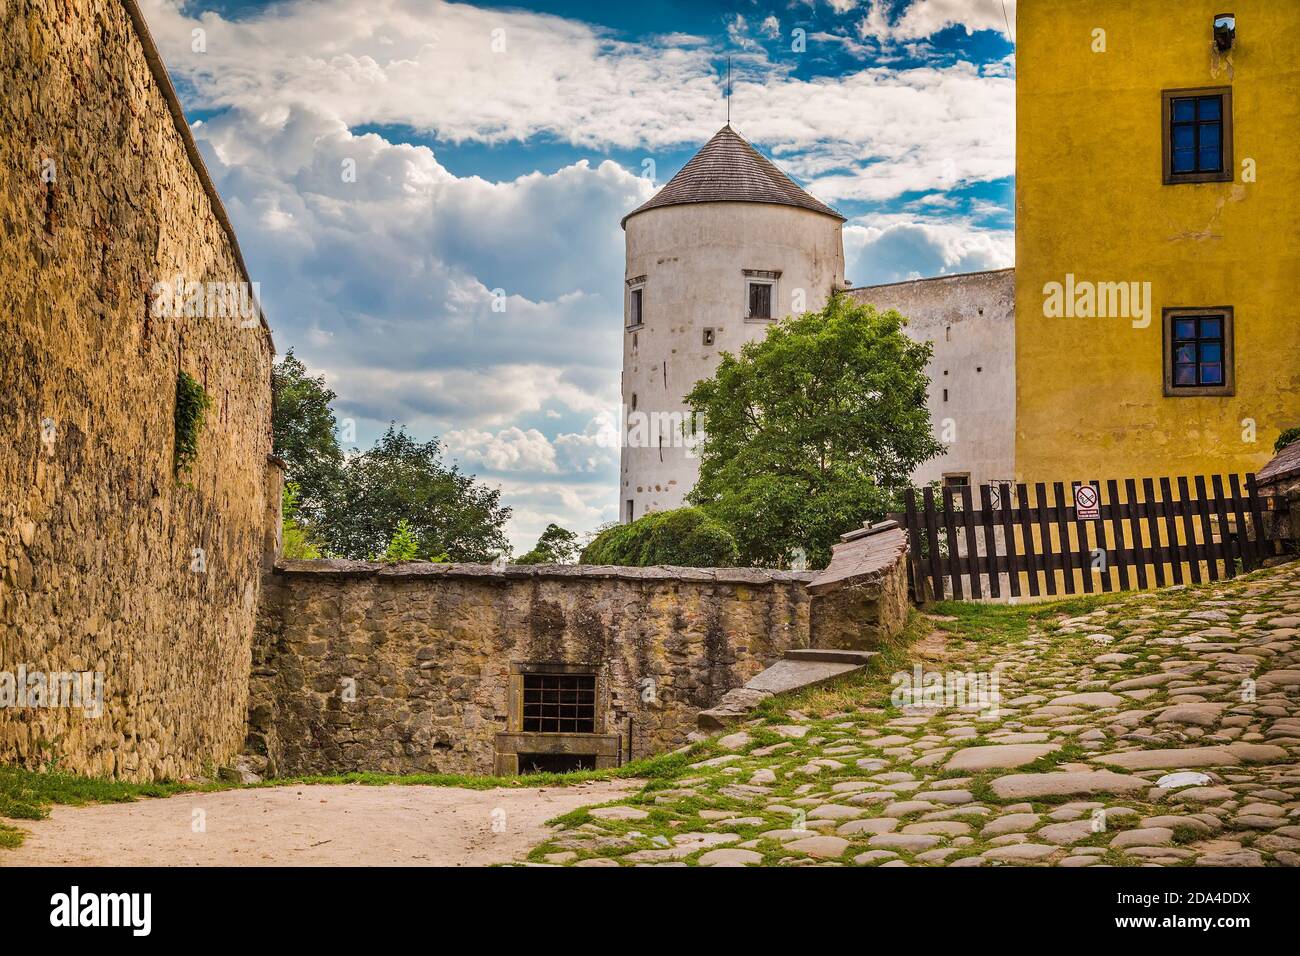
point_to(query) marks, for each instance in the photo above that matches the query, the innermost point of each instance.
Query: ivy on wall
(192, 402)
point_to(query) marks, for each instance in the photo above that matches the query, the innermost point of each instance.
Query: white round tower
(730, 245)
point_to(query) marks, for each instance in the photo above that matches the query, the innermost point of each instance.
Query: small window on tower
(760, 300)
(708, 337)
(634, 308)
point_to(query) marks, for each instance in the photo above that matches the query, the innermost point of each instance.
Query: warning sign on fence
(1087, 503)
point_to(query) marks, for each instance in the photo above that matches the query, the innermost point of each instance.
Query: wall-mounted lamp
(1225, 31)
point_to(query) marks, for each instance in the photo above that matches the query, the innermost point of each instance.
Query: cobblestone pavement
(1159, 728)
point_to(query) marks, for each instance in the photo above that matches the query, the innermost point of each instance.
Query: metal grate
(560, 703)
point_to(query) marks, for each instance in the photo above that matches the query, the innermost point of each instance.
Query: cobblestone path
(1160, 728)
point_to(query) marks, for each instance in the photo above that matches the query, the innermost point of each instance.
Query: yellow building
(1157, 236)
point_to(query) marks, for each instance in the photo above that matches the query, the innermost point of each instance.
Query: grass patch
(1011, 623)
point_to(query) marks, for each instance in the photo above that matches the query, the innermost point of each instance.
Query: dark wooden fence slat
(1263, 546)
(972, 551)
(1063, 529)
(1207, 532)
(1189, 530)
(932, 541)
(1171, 530)
(1099, 527)
(1027, 531)
(914, 535)
(1239, 515)
(1135, 526)
(1153, 530)
(1117, 531)
(1225, 539)
(1009, 532)
(986, 500)
(954, 549)
(1045, 536)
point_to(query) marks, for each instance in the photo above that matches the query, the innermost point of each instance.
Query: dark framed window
(1197, 135)
(635, 304)
(708, 337)
(559, 703)
(1199, 351)
(760, 300)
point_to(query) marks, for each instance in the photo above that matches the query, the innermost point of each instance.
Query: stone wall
(406, 668)
(103, 196)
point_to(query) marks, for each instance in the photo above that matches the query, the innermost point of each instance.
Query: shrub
(192, 402)
(687, 537)
(404, 545)
(1288, 437)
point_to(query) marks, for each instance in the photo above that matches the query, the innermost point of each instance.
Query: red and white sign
(1087, 504)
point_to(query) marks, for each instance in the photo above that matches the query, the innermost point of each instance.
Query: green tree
(404, 546)
(812, 430)
(304, 434)
(685, 537)
(450, 514)
(295, 541)
(555, 546)
(1288, 437)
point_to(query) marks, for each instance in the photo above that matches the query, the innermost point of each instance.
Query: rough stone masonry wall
(96, 535)
(430, 649)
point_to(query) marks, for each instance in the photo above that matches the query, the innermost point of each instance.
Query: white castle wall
(970, 319)
(693, 259)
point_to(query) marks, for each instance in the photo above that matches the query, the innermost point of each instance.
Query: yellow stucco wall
(1090, 201)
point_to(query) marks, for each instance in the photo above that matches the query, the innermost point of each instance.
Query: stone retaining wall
(407, 668)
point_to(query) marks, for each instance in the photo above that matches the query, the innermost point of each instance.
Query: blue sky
(429, 193)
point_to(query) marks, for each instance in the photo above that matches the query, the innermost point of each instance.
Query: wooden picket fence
(1038, 544)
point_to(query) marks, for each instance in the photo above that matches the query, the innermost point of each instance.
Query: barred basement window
(560, 703)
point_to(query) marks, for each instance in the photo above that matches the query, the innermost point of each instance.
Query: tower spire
(728, 95)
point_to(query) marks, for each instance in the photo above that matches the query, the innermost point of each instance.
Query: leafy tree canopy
(686, 537)
(451, 516)
(304, 433)
(555, 546)
(810, 431)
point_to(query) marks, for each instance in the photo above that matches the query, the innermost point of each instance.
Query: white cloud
(575, 83)
(891, 248)
(924, 18)
(511, 449)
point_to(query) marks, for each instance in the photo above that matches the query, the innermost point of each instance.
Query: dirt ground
(307, 826)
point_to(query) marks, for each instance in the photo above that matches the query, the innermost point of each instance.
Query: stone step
(829, 655)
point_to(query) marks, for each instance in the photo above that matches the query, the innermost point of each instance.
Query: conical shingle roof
(728, 169)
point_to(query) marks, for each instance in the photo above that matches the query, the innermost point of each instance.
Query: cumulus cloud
(433, 66)
(924, 18)
(511, 449)
(891, 248)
